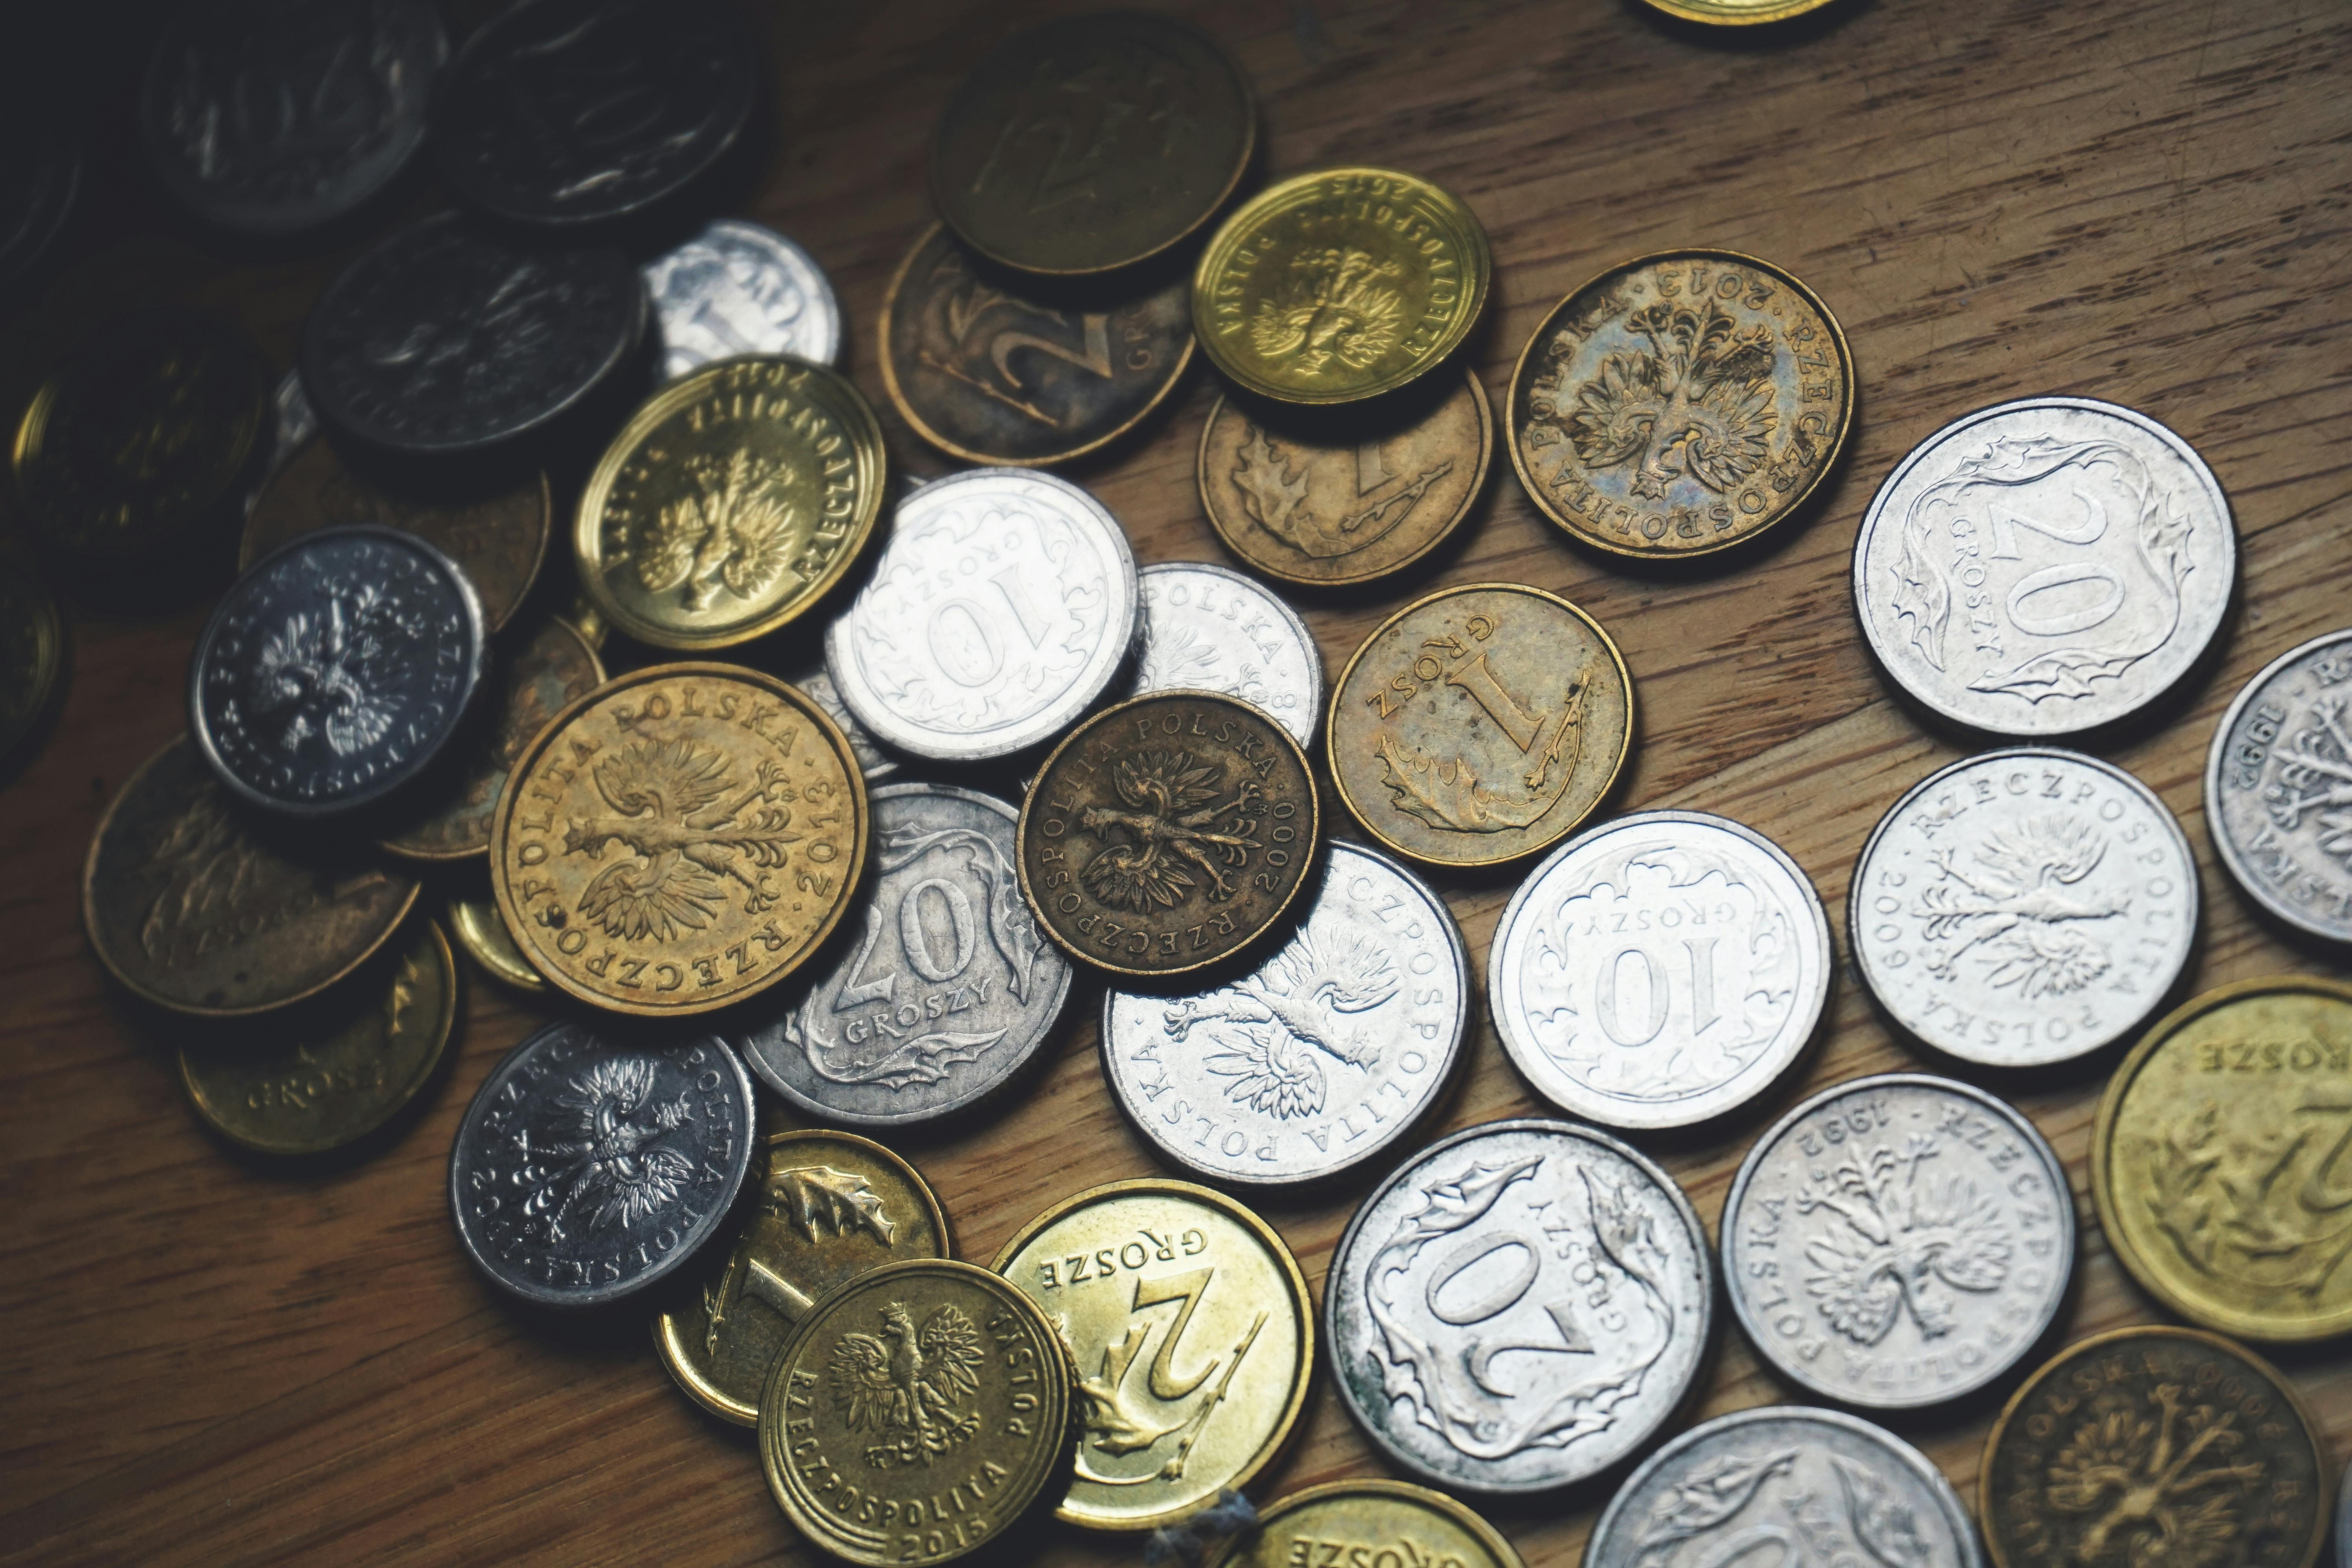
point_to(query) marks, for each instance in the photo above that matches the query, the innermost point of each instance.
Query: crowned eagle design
(907, 1384)
(1289, 1016)
(1170, 831)
(1334, 302)
(2018, 907)
(606, 1161)
(2162, 1493)
(1902, 1243)
(325, 673)
(734, 532)
(676, 810)
(1698, 402)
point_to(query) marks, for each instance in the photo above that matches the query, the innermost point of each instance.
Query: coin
(1737, 13)
(2214, 1159)
(296, 420)
(268, 119)
(337, 1078)
(831, 1207)
(875, 762)
(992, 375)
(1319, 514)
(335, 671)
(1374, 1523)
(735, 289)
(1322, 1057)
(191, 908)
(2278, 782)
(1207, 629)
(1340, 285)
(2044, 567)
(682, 837)
(1001, 608)
(1168, 834)
(1480, 724)
(1659, 970)
(2344, 1521)
(32, 653)
(592, 1165)
(40, 179)
(1680, 403)
(1518, 1306)
(732, 502)
(878, 1457)
(2147, 1445)
(482, 931)
(2022, 908)
(1168, 1420)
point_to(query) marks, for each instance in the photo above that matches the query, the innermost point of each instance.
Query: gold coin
(1301, 508)
(1340, 285)
(1480, 724)
(992, 376)
(2154, 1445)
(1093, 142)
(195, 904)
(1370, 1524)
(32, 651)
(1737, 13)
(340, 1078)
(732, 502)
(1168, 833)
(679, 838)
(1192, 1336)
(831, 1207)
(2218, 1159)
(915, 1415)
(1680, 403)
(500, 542)
(482, 931)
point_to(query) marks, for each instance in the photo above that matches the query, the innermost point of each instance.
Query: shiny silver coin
(1520, 1307)
(1206, 629)
(948, 992)
(2044, 567)
(1659, 970)
(1001, 608)
(1785, 1484)
(875, 762)
(2024, 907)
(590, 1167)
(738, 289)
(2278, 787)
(1897, 1241)
(1321, 1059)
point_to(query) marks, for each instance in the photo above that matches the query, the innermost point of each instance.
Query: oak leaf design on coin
(1174, 817)
(604, 1153)
(671, 810)
(1898, 1242)
(826, 1202)
(1275, 498)
(2314, 774)
(2143, 1473)
(736, 532)
(907, 1383)
(1446, 792)
(1112, 1424)
(1290, 1013)
(2230, 1207)
(2016, 907)
(1331, 305)
(1700, 402)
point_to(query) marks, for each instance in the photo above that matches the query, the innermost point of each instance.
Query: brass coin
(1480, 724)
(679, 838)
(915, 1414)
(2154, 1445)
(1737, 13)
(1093, 142)
(2217, 1159)
(341, 1079)
(995, 378)
(1192, 1336)
(500, 542)
(1168, 833)
(32, 650)
(1680, 403)
(482, 931)
(1376, 1524)
(191, 907)
(1319, 515)
(1340, 285)
(831, 1207)
(732, 501)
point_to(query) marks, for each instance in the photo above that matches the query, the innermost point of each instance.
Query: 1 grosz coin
(737, 289)
(2278, 788)
(1206, 629)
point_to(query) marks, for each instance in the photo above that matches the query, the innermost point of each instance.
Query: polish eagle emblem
(2019, 908)
(1168, 832)
(734, 532)
(1333, 304)
(606, 1160)
(907, 1384)
(1289, 1016)
(1697, 402)
(676, 809)
(1902, 1243)
(323, 674)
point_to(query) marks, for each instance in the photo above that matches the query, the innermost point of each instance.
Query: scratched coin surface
(738, 289)
(828, 1207)
(1192, 1336)
(1480, 724)
(2278, 788)
(2044, 567)
(1518, 1306)
(1206, 629)
(1898, 1241)
(2024, 907)
(1680, 403)
(1659, 970)
(2217, 1160)
(1375, 1523)
(477, 926)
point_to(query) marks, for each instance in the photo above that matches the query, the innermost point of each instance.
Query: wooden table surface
(202, 1359)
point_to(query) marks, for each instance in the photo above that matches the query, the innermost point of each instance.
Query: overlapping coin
(33, 652)
(477, 926)
(1377, 1523)
(736, 288)
(2278, 786)
(1206, 629)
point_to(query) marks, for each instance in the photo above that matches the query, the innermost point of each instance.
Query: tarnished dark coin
(2278, 788)
(1206, 629)
(738, 289)
(1168, 833)
(1376, 1523)
(40, 177)
(32, 650)
(992, 375)
(593, 1165)
(269, 116)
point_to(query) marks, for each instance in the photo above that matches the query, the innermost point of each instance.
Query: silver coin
(1001, 608)
(1206, 629)
(1897, 1241)
(1323, 1057)
(2278, 787)
(949, 991)
(295, 421)
(1520, 1307)
(1659, 970)
(2024, 907)
(2044, 567)
(590, 1167)
(1788, 1485)
(875, 762)
(738, 289)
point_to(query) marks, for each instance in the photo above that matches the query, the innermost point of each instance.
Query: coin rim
(2226, 848)
(49, 643)
(1697, 11)
(758, 236)
(1281, 608)
(529, 980)
(1437, 1502)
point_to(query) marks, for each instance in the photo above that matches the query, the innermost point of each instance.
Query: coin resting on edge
(482, 931)
(876, 764)
(1204, 628)
(738, 289)
(1543, 1238)
(1659, 970)
(1380, 1524)
(2022, 908)
(2278, 786)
